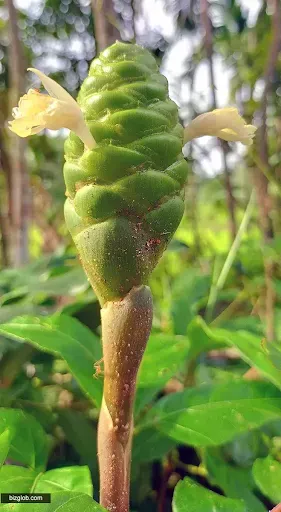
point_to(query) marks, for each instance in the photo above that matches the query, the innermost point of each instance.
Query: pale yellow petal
(32, 103)
(37, 111)
(211, 122)
(53, 88)
(225, 123)
(245, 138)
(25, 126)
(251, 129)
(228, 135)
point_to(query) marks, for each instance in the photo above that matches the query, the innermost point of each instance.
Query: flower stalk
(125, 174)
(126, 326)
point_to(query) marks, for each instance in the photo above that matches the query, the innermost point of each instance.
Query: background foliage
(208, 406)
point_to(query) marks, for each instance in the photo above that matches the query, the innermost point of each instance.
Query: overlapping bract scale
(125, 197)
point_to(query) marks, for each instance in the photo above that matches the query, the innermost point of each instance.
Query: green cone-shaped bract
(125, 196)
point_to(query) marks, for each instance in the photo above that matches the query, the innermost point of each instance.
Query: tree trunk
(4, 220)
(19, 180)
(208, 42)
(261, 182)
(105, 22)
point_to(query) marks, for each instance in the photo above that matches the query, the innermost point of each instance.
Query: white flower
(57, 110)
(225, 123)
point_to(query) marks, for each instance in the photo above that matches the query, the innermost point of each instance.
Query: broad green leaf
(274, 353)
(5, 443)
(197, 425)
(69, 283)
(245, 448)
(187, 290)
(29, 443)
(241, 389)
(235, 482)
(191, 497)
(150, 444)
(162, 359)
(73, 478)
(144, 396)
(267, 475)
(200, 341)
(65, 337)
(18, 479)
(252, 350)
(140, 487)
(60, 502)
(244, 323)
(7, 313)
(87, 311)
(82, 435)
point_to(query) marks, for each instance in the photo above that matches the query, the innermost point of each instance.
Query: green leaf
(267, 475)
(60, 502)
(244, 323)
(162, 359)
(72, 283)
(73, 478)
(5, 443)
(252, 350)
(18, 479)
(245, 448)
(7, 313)
(33, 450)
(150, 444)
(188, 289)
(200, 341)
(191, 497)
(144, 396)
(65, 337)
(235, 482)
(241, 389)
(273, 350)
(197, 425)
(81, 434)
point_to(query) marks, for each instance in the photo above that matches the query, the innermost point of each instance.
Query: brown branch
(264, 199)
(4, 220)
(19, 180)
(105, 22)
(208, 43)
(167, 469)
(4, 240)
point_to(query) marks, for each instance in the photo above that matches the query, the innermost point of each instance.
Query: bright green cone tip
(125, 197)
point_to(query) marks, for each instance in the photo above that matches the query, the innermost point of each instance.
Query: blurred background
(224, 261)
(213, 53)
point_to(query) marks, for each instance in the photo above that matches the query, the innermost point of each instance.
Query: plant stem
(277, 508)
(217, 286)
(126, 326)
(208, 43)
